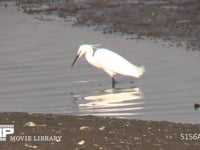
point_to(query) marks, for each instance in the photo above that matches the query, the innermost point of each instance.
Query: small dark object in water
(71, 93)
(196, 106)
(131, 81)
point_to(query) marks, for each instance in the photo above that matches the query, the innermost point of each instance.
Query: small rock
(81, 142)
(102, 128)
(60, 124)
(196, 106)
(84, 128)
(30, 146)
(30, 124)
(137, 138)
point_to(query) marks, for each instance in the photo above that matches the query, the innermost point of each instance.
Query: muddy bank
(90, 132)
(170, 20)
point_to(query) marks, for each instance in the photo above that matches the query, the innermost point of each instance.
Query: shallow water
(35, 73)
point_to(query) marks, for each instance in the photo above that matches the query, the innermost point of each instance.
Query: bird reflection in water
(117, 102)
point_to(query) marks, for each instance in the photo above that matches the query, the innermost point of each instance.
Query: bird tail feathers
(141, 71)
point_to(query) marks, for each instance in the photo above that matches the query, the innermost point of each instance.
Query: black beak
(77, 56)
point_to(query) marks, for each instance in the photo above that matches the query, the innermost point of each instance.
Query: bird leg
(113, 82)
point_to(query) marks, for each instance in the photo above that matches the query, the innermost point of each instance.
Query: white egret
(112, 63)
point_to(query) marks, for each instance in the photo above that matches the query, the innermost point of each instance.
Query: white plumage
(109, 61)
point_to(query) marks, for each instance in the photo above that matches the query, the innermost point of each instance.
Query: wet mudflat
(169, 20)
(89, 132)
(36, 55)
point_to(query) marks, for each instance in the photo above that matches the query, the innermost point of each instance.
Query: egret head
(82, 50)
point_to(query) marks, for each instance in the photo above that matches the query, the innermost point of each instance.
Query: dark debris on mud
(176, 21)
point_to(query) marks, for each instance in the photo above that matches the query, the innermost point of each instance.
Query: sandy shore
(89, 132)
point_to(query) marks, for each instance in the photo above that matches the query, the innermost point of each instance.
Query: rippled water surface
(35, 73)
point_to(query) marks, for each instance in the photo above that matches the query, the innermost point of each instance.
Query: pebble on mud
(30, 124)
(84, 128)
(81, 142)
